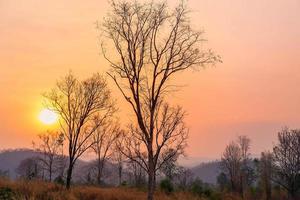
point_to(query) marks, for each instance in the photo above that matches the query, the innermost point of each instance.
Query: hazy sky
(255, 91)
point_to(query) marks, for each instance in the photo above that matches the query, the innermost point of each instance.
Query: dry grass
(38, 190)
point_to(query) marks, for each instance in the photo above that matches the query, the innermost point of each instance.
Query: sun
(48, 117)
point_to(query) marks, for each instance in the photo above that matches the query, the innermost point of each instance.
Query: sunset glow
(255, 91)
(48, 117)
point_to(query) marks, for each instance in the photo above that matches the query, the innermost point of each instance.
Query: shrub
(59, 180)
(166, 186)
(6, 193)
(124, 183)
(197, 187)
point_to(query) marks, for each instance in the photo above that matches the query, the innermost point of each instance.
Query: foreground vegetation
(41, 190)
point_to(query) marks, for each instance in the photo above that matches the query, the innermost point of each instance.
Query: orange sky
(255, 91)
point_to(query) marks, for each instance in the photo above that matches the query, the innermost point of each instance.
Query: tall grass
(39, 190)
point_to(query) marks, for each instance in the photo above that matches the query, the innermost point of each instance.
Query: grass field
(38, 190)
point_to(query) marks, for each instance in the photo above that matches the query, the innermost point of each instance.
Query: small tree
(103, 144)
(51, 147)
(231, 164)
(30, 168)
(235, 163)
(287, 161)
(79, 104)
(184, 178)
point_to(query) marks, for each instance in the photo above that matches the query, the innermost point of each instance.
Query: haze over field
(254, 92)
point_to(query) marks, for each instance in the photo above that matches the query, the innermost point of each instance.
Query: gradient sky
(255, 91)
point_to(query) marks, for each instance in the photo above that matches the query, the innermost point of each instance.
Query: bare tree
(287, 161)
(247, 172)
(103, 144)
(152, 44)
(236, 163)
(30, 168)
(79, 104)
(184, 178)
(231, 164)
(265, 169)
(51, 147)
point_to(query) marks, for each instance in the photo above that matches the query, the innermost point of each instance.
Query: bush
(124, 183)
(166, 186)
(59, 180)
(197, 187)
(6, 193)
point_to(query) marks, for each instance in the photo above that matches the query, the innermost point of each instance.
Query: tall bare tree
(103, 144)
(152, 44)
(287, 161)
(82, 106)
(50, 145)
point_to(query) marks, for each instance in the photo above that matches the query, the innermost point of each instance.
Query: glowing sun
(48, 117)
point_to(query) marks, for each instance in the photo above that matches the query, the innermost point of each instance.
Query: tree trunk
(120, 174)
(150, 186)
(268, 191)
(50, 172)
(69, 174)
(292, 195)
(151, 177)
(99, 175)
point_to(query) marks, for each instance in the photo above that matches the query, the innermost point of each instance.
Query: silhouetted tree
(231, 164)
(152, 44)
(82, 106)
(103, 144)
(236, 162)
(51, 147)
(287, 161)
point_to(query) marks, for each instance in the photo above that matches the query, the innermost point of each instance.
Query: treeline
(275, 175)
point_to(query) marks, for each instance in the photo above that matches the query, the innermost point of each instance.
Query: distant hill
(10, 160)
(207, 171)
